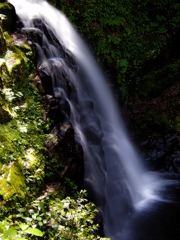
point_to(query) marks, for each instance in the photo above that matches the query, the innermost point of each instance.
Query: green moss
(4, 74)
(11, 181)
(2, 42)
(4, 115)
(13, 68)
(25, 49)
(7, 38)
(12, 60)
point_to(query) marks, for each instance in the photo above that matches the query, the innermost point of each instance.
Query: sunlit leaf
(34, 231)
(40, 224)
(20, 238)
(28, 219)
(31, 211)
(10, 233)
(21, 209)
(23, 226)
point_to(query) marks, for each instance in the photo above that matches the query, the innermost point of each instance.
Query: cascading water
(114, 176)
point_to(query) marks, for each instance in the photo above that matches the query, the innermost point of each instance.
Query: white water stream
(114, 175)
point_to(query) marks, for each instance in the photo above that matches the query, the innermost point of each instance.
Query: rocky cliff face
(155, 127)
(34, 152)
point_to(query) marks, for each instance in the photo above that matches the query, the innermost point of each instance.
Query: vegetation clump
(138, 41)
(30, 209)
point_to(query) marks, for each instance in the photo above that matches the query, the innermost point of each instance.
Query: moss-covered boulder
(2, 41)
(11, 181)
(4, 74)
(9, 21)
(19, 163)
(14, 67)
(4, 115)
(15, 62)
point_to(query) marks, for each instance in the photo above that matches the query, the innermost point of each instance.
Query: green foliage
(22, 139)
(25, 212)
(73, 219)
(53, 167)
(72, 185)
(22, 142)
(52, 218)
(134, 38)
(8, 230)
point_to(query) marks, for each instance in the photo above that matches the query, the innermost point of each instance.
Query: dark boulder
(9, 20)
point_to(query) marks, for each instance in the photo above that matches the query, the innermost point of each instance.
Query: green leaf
(34, 231)
(44, 221)
(10, 233)
(20, 238)
(28, 219)
(31, 211)
(21, 209)
(40, 224)
(34, 216)
(23, 226)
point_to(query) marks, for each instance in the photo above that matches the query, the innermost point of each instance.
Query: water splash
(114, 175)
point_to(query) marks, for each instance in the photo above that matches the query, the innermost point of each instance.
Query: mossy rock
(16, 66)
(2, 42)
(4, 115)
(11, 181)
(9, 21)
(26, 49)
(12, 69)
(4, 74)
(7, 37)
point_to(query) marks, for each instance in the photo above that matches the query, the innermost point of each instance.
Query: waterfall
(124, 192)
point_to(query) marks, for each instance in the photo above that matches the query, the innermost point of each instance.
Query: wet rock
(153, 152)
(69, 154)
(33, 34)
(153, 158)
(156, 122)
(176, 161)
(46, 82)
(57, 109)
(162, 152)
(38, 84)
(44, 69)
(171, 140)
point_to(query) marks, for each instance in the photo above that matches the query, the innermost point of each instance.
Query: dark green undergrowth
(137, 40)
(31, 211)
(31, 208)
